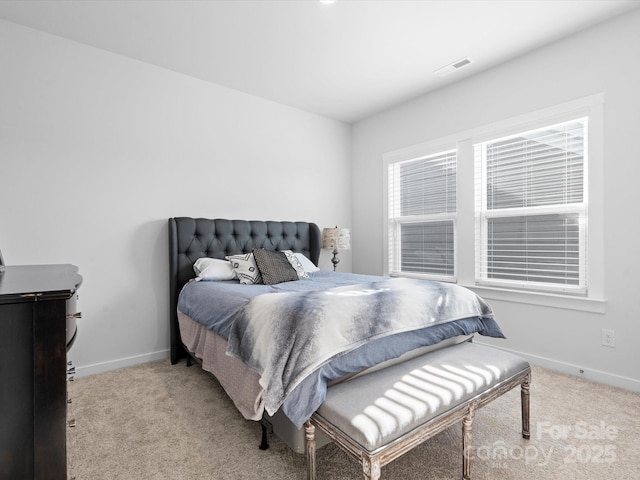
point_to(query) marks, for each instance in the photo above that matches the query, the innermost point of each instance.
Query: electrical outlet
(608, 338)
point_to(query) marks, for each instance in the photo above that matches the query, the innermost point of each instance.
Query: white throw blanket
(286, 336)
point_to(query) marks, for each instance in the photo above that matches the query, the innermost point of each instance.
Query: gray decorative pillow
(246, 268)
(295, 263)
(274, 266)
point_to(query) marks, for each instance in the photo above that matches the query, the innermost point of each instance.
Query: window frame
(592, 107)
(483, 214)
(393, 227)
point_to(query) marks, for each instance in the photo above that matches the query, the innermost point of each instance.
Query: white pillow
(307, 264)
(246, 268)
(213, 269)
(295, 263)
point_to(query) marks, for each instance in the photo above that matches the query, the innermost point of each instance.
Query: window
(513, 210)
(531, 209)
(421, 216)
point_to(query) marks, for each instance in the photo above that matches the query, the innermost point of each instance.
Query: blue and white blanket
(287, 336)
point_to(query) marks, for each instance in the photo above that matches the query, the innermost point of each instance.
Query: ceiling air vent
(452, 67)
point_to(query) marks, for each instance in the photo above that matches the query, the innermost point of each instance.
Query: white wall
(603, 59)
(98, 150)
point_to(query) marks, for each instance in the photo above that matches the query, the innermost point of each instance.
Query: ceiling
(345, 61)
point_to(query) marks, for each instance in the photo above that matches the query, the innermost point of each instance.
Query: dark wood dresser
(37, 322)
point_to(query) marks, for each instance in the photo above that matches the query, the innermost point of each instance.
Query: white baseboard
(597, 376)
(121, 363)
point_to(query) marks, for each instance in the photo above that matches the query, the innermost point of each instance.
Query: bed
(213, 318)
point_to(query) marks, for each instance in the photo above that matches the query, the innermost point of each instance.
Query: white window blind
(422, 208)
(531, 209)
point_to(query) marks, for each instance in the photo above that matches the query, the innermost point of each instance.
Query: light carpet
(158, 421)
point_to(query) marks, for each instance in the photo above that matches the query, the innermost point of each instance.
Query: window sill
(543, 299)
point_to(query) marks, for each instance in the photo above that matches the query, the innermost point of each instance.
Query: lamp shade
(338, 238)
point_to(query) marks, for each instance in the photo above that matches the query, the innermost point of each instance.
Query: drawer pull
(74, 315)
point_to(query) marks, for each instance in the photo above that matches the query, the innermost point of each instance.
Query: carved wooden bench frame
(373, 461)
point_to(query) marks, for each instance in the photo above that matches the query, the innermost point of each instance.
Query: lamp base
(335, 260)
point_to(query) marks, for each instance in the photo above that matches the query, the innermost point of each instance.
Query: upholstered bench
(378, 417)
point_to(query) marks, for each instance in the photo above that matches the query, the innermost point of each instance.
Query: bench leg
(310, 434)
(524, 398)
(370, 468)
(466, 443)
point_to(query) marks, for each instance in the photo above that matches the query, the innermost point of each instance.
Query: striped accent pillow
(295, 263)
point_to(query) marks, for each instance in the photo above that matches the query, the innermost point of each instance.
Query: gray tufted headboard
(193, 238)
